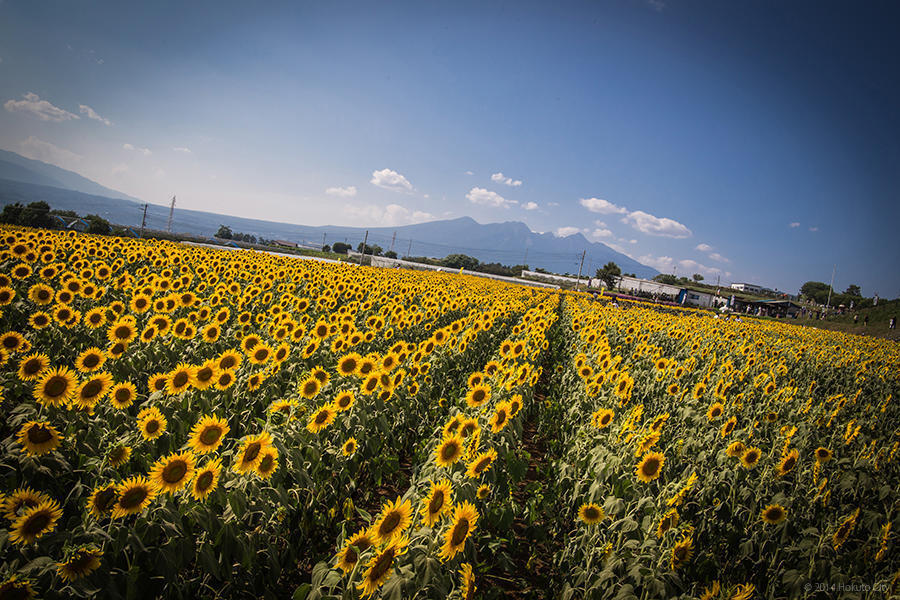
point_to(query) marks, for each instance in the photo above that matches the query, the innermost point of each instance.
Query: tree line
(40, 215)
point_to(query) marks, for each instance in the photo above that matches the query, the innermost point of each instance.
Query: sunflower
(682, 552)
(94, 318)
(122, 331)
(134, 495)
(80, 563)
(465, 517)
(12, 341)
(449, 450)
(35, 522)
(349, 447)
(788, 462)
(712, 591)
(481, 463)
(32, 366)
(483, 491)
(122, 395)
(735, 449)
(38, 438)
(602, 418)
(171, 473)
(394, 519)
(438, 501)
(152, 423)
(309, 387)
(206, 479)
(90, 360)
(344, 401)
(251, 452)
(673, 389)
(102, 499)
(356, 545)
(728, 426)
(500, 418)
(224, 380)
(55, 387)
(180, 379)
(773, 514)
(230, 359)
(823, 454)
(204, 375)
(380, 566)
(41, 294)
(92, 390)
(269, 462)
(715, 411)
(16, 589)
(369, 384)
(843, 532)
(478, 395)
(118, 455)
(667, 522)
(321, 419)
(750, 457)
(650, 466)
(590, 513)
(468, 428)
(743, 592)
(21, 500)
(467, 586)
(39, 320)
(207, 434)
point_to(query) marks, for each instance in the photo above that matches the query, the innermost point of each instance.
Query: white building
(642, 286)
(751, 288)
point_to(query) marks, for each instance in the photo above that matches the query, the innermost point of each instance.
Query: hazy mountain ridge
(505, 243)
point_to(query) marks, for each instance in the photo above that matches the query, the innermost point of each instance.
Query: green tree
(697, 277)
(853, 290)
(340, 248)
(666, 278)
(224, 232)
(390, 254)
(815, 291)
(12, 214)
(326, 248)
(97, 224)
(460, 261)
(609, 274)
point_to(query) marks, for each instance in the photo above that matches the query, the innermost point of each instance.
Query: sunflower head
(79, 563)
(650, 466)
(591, 514)
(773, 514)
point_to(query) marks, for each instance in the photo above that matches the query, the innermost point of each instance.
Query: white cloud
(119, 169)
(92, 114)
(813, 228)
(500, 178)
(391, 180)
(601, 224)
(390, 215)
(342, 192)
(647, 223)
(182, 149)
(553, 204)
(469, 173)
(530, 206)
(144, 151)
(485, 197)
(43, 110)
(794, 225)
(632, 241)
(703, 247)
(599, 234)
(48, 153)
(604, 207)
(563, 232)
(718, 257)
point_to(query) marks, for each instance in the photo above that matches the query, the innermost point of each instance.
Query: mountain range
(512, 242)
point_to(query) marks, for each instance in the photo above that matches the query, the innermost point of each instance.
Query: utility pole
(525, 260)
(578, 281)
(409, 249)
(323, 241)
(828, 302)
(393, 237)
(144, 220)
(366, 239)
(171, 214)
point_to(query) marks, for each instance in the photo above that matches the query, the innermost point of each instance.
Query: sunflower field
(190, 422)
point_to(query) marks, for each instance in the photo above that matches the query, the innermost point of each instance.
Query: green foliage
(609, 274)
(340, 248)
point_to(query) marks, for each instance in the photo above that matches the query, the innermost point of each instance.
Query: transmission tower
(171, 214)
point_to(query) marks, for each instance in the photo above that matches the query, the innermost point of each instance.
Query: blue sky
(757, 141)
